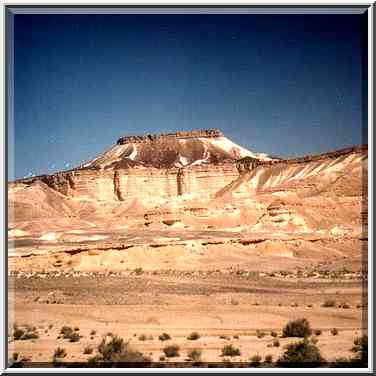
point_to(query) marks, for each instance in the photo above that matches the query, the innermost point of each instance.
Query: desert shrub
(114, 349)
(224, 337)
(334, 331)
(235, 337)
(342, 363)
(255, 360)
(276, 343)
(361, 349)
(195, 355)
(59, 353)
(164, 337)
(138, 271)
(18, 333)
(21, 334)
(344, 306)
(329, 303)
(268, 359)
(69, 333)
(318, 332)
(193, 336)
(93, 332)
(297, 328)
(50, 326)
(92, 360)
(30, 335)
(162, 358)
(66, 331)
(273, 334)
(76, 329)
(314, 340)
(230, 350)
(260, 334)
(142, 337)
(15, 356)
(171, 351)
(301, 354)
(74, 337)
(88, 350)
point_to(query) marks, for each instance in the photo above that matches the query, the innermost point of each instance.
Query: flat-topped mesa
(205, 133)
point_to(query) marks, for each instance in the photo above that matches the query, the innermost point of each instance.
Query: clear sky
(286, 85)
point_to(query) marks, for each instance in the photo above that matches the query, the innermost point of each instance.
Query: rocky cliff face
(165, 166)
(200, 164)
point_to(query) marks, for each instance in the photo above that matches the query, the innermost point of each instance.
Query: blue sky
(286, 85)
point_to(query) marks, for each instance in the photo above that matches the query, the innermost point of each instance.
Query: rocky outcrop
(209, 133)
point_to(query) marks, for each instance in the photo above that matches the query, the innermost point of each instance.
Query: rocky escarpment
(152, 166)
(203, 165)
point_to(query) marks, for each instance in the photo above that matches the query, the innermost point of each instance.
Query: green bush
(297, 328)
(114, 349)
(230, 350)
(171, 351)
(195, 355)
(93, 360)
(301, 354)
(193, 336)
